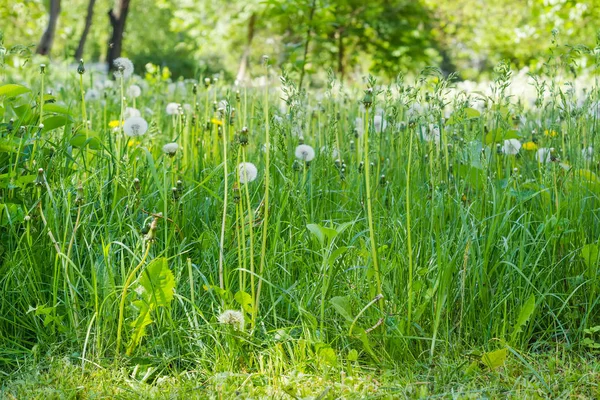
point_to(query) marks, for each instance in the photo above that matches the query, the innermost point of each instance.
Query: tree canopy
(346, 36)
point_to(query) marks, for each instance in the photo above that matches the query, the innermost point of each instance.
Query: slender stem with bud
(265, 222)
(369, 208)
(224, 220)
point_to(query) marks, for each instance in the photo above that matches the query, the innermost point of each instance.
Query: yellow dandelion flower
(115, 124)
(216, 121)
(551, 133)
(530, 146)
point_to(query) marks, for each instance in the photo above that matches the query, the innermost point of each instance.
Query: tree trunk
(313, 7)
(45, 45)
(117, 17)
(241, 75)
(86, 30)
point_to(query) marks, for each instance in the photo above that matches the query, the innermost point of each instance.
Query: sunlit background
(348, 37)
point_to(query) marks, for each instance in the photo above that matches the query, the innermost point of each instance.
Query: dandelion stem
(369, 209)
(224, 220)
(265, 222)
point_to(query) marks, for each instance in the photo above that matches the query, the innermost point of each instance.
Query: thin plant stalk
(370, 210)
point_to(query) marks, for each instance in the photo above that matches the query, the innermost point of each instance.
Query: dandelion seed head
(247, 172)
(543, 155)
(170, 149)
(172, 108)
(430, 133)
(587, 153)
(379, 123)
(92, 95)
(131, 112)
(305, 153)
(135, 126)
(511, 146)
(134, 91)
(233, 318)
(123, 67)
(359, 126)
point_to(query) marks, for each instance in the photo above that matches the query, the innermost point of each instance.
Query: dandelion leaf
(327, 356)
(342, 305)
(495, 359)
(158, 283)
(13, 90)
(244, 300)
(589, 253)
(500, 135)
(524, 315)
(317, 230)
(139, 324)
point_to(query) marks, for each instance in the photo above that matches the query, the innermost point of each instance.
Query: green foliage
(199, 37)
(155, 289)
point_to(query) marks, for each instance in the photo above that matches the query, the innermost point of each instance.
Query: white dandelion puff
(123, 67)
(170, 149)
(92, 95)
(135, 126)
(511, 146)
(297, 131)
(172, 109)
(587, 153)
(359, 126)
(379, 123)
(131, 112)
(233, 318)
(543, 155)
(247, 172)
(134, 91)
(333, 152)
(223, 104)
(305, 153)
(430, 133)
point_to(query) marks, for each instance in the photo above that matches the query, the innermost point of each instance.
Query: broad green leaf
(526, 311)
(495, 359)
(472, 369)
(353, 355)
(466, 113)
(589, 252)
(139, 324)
(25, 114)
(11, 213)
(13, 90)
(9, 146)
(500, 135)
(158, 283)
(317, 230)
(55, 122)
(336, 254)
(327, 356)
(78, 140)
(472, 113)
(342, 306)
(55, 108)
(329, 232)
(244, 300)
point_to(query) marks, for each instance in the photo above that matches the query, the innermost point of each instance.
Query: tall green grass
(411, 235)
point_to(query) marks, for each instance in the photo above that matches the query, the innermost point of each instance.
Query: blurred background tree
(306, 37)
